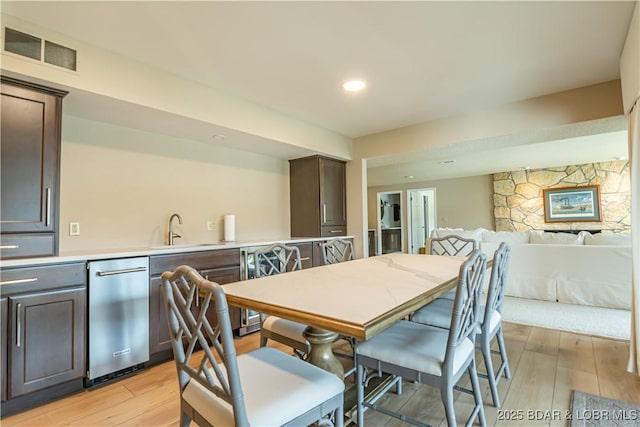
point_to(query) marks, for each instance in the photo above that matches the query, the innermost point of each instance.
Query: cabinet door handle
(48, 208)
(335, 231)
(18, 324)
(123, 271)
(13, 282)
(305, 258)
(9, 247)
(324, 212)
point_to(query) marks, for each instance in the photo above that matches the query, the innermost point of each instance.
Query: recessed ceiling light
(354, 85)
(218, 136)
(446, 162)
(409, 176)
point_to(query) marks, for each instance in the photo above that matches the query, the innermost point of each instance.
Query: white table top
(357, 298)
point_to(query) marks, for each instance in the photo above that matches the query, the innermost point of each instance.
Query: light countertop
(97, 254)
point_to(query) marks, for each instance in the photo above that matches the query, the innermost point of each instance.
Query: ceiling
(422, 60)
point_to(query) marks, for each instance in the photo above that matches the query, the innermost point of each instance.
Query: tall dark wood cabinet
(318, 197)
(30, 169)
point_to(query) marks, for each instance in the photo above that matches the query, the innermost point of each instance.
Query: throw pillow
(540, 237)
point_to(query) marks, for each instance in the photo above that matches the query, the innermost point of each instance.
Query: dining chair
(452, 245)
(337, 250)
(427, 354)
(333, 252)
(438, 313)
(219, 387)
(279, 258)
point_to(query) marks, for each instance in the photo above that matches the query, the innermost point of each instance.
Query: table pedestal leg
(321, 353)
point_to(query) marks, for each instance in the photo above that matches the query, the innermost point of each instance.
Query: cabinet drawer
(333, 230)
(29, 279)
(158, 264)
(26, 246)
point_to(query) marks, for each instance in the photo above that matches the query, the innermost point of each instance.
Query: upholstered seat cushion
(438, 313)
(268, 377)
(415, 346)
(284, 327)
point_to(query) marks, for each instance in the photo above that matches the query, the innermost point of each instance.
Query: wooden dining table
(358, 298)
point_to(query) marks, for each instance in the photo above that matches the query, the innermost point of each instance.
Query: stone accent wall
(518, 204)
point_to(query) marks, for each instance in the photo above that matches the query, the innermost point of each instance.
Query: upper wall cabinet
(318, 197)
(30, 169)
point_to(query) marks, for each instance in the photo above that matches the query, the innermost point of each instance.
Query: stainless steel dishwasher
(118, 317)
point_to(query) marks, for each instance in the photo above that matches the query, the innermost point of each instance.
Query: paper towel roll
(229, 228)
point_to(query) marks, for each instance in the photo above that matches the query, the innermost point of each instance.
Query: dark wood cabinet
(47, 339)
(43, 337)
(221, 266)
(306, 253)
(30, 168)
(318, 197)
(391, 240)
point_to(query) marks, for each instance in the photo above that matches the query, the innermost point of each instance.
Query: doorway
(389, 215)
(421, 205)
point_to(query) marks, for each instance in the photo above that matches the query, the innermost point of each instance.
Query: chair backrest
(452, 245)
(275, 259)
(465, 318)
(189, 325)
(497, 282)
(337, 250)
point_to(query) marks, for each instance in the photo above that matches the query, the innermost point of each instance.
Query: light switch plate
(211, 226)
(74, 229)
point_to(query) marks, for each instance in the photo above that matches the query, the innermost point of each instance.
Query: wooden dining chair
(439, 312)
(264, 387)
(427, 354)
(279, 258)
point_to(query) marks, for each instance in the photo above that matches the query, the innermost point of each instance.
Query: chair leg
(185, 420)
(477, 395)
(485, 346)
(503, 353)
(360, 394)
(339, 416)
(446, 393)
(263, 341)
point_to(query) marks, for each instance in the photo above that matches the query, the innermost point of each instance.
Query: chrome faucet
(173, 235)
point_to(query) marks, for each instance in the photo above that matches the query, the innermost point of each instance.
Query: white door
(422, 216)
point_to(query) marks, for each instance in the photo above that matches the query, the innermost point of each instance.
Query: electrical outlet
(74, 229)
(211, 226)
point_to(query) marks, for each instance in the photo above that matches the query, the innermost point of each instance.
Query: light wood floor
(546, 365)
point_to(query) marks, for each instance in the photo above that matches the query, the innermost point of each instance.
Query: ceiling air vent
(32, 47)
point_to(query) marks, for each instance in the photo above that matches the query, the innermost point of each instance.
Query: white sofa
(584, 268)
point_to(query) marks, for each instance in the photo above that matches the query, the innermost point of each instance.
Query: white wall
(122, 185)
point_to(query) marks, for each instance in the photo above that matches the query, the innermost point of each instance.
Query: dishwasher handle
(123, 271)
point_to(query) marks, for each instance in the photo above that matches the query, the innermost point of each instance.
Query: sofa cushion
(608, 239)
(511, 237)
(541, 237)
(460, 232)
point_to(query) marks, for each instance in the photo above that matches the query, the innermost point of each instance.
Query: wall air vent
(33, 47)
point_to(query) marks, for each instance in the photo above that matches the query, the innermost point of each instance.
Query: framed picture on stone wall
(572, 204)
